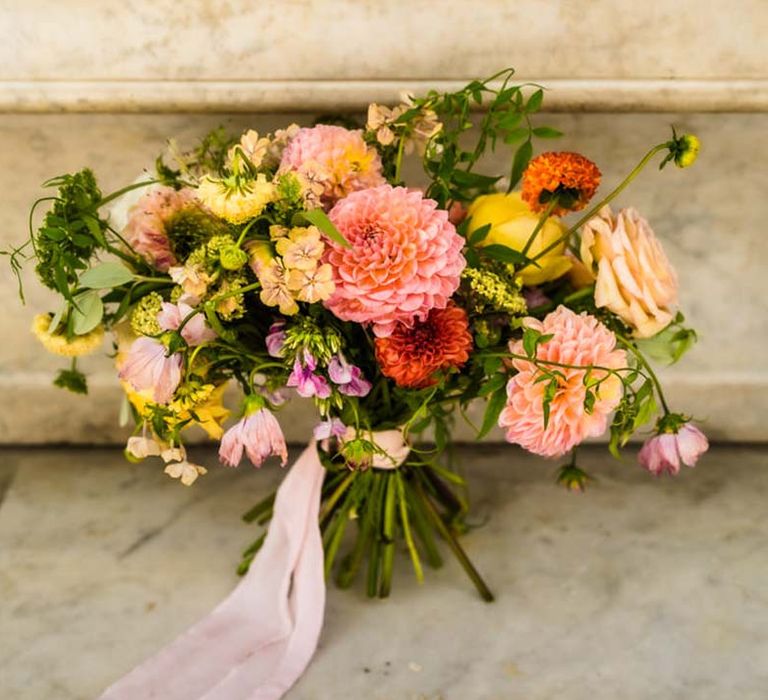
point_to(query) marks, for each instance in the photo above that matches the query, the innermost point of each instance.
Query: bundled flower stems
(300, 263)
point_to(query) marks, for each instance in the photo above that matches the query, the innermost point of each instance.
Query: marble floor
(639, 589)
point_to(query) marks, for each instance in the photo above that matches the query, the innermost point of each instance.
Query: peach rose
(634, 277)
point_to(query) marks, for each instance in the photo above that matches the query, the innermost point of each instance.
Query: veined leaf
(106, 276)
(507, 255)
(87, 313)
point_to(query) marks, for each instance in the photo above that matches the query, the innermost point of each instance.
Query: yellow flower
(58, 344)
(205, 405)
(253, 147)
(260, 256)
(236, 203)
(312, 285)
(512, 224)
(301, 249)
(275, 292)
(687, 150)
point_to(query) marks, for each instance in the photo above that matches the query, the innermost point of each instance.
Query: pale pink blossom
(665, 452)
(327, 429)
(579, 340)
(146, 230)
(185, 471)
(141, 447)
(196, 331)
(148, 367)
(259, 435)
(405, 258)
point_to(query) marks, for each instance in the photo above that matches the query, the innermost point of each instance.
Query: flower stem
(124, 190)
(609, 198)
(647, 366)
(448, 536)
(539, 225)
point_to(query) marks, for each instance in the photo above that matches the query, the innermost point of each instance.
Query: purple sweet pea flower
(305, 380)
(347, 377)
(276, 339)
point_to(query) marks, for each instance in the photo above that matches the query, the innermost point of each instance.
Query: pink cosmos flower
(665, 452)
(196, 331)
(405, 258)
(148, 367)
(259, 435)
(578, 339)
(334, 158)
(306, 382)
(146, 228)
(348, 378)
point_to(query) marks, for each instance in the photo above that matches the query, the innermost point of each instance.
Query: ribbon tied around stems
(257, 642)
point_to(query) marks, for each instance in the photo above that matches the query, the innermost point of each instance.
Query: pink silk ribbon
(257, 642)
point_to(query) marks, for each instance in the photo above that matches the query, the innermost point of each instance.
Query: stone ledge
(260, 96)
(43, 414)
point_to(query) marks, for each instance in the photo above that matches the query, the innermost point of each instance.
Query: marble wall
(105, 84)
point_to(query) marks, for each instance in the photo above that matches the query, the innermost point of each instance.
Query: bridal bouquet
(300, 262)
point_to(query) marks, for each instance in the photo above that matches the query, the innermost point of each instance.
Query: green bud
(232, 257)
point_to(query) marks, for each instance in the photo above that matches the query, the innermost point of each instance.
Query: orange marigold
(570, 177)
(412, 355)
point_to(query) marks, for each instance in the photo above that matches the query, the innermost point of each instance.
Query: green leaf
(495, 405)
(493, 384)
(479, 235)
(520, 163)
(530, 341)
(534, 101)
(88, 312)
(516, 135)
(549, 395)
(320, 219)
(547, 132)
(507, 255)
(105, 276)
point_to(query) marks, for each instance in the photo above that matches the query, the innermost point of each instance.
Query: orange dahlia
(412, 355)
(570, 177)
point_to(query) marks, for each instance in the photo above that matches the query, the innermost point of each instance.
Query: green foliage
(71, 231)
(105, 276)
(669, 345)
(72, 380)
(449, 163)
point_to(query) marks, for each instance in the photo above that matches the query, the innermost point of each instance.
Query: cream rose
(634, 277)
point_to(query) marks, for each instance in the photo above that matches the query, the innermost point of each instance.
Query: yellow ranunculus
(512, 223)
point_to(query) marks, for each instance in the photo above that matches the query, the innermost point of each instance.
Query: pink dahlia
(578, 339)
(146, 228)
(335, 158)
(405, 258)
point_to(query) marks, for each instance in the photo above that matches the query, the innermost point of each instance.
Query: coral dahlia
(578, 339)
(570, 177)
(335, 157)
(412, 355)
(405, 258)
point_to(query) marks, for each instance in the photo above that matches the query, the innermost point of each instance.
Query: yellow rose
(512, 223)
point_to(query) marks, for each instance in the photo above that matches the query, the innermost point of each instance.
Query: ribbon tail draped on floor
(259, 640)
